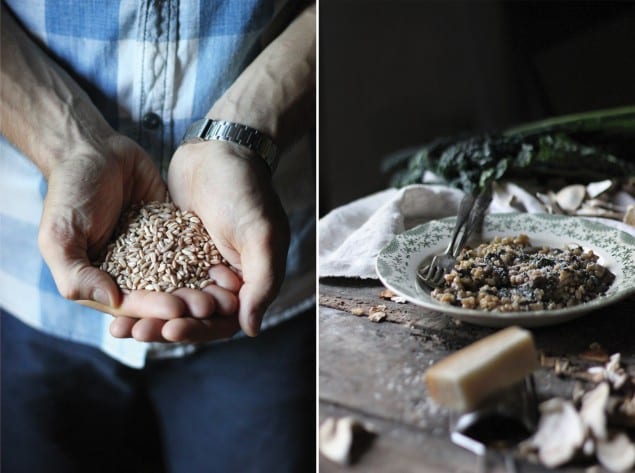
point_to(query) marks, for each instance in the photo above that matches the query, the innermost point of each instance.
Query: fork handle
(465, 209)
(475, 219)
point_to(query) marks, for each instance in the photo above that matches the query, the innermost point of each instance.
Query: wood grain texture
(374, 371)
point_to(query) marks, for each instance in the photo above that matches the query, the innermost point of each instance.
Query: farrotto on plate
(397, 263)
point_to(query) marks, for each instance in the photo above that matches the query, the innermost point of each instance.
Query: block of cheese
(467, 377)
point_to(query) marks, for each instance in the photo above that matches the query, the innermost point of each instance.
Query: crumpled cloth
(351, 236)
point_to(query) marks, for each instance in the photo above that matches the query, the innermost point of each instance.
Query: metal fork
(469, 217)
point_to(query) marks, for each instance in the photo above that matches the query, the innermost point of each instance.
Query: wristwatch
(207, 129)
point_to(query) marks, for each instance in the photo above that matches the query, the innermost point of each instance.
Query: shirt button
(151, 121)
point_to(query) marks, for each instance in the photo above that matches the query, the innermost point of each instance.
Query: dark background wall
(395, 74)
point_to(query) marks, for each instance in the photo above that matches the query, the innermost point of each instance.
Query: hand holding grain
(159, 248)
(231, 192)
(87, 191)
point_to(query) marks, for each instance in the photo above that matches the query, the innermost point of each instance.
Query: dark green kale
(588, 147)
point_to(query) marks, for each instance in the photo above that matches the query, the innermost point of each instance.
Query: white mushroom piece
(549, 201)
(593, 410)
(560, 433)
(595, 189)
(600, 208)
(337, 437)
(611, 372)
(570, 198)
(617, 454)
(614, 373)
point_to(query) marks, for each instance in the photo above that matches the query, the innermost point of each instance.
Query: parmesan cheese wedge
(467, 377)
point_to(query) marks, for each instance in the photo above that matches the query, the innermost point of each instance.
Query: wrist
(221, 155)
(241, 137)
(67, 149)
(238, 108)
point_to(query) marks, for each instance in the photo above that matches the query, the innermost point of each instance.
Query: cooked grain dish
(509, 275)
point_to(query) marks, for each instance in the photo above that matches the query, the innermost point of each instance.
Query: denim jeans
(247, 405)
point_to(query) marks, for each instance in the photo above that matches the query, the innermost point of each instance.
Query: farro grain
(158, 247)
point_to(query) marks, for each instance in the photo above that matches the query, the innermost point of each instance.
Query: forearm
(43, 111)
(276, 93)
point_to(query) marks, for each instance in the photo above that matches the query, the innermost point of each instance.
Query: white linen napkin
(351, 236)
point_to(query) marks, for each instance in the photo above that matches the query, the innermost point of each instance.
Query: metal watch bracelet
(243, 135)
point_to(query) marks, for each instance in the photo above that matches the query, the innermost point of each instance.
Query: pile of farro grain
(159, 247)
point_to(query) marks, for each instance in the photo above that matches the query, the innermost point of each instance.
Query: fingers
(64, 250)
(142, 330)
(144, 304)
(183, 330)
(148, 330)
(121, 327)
(183, 302)
(160, 305)
(263, 265)
(193, 306)
(224, 277)
(199, 304)
(226, 301)
(194, 331)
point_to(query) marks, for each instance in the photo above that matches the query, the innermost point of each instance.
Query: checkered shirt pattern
(133, 58)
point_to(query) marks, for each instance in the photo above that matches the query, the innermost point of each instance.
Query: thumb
(75, 277)
(263, 266)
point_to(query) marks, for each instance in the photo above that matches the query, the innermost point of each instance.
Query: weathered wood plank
(397, 448)
(400, 448)
(376, 370)
(612, 327)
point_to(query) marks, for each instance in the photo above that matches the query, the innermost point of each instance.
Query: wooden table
(373, 371)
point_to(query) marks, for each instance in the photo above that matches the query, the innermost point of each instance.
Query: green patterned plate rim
(397, 262)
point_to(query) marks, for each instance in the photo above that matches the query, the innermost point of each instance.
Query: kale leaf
(593, 146)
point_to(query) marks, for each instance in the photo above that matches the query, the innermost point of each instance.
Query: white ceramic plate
(397, 263)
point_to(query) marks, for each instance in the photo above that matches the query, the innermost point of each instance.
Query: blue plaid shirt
(136, 60)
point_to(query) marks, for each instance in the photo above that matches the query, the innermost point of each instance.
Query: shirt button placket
(153, 93)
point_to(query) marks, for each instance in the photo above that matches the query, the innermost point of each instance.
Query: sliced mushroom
(614, 373)
(570, 198)
(337, 437)
(503, 193)
(603, 204)
(593, 411)
(577, 393)
(560, 433)
(595, 189)
(549, 201)
(588, 211)
(617, 454)
(596, 373)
